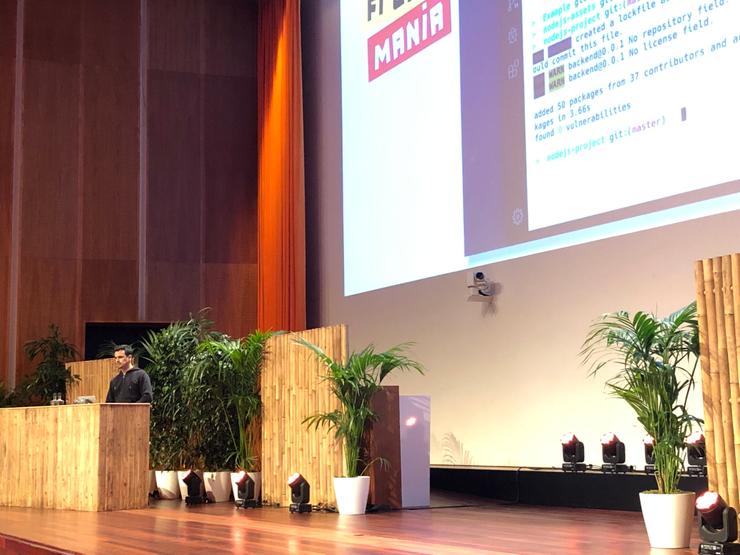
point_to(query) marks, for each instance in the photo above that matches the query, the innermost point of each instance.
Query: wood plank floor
(170, 527)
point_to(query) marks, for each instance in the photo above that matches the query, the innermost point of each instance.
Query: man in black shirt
(132, 384)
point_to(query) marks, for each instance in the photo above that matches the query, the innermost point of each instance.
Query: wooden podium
(91, 457)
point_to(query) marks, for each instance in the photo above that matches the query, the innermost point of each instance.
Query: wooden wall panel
(291, 391)
(230, 163)
(175, 35)
(109, 291)
(52, 30)
(227, 48)
(173, 290)
(238, 284)
(174, 196)
(50, 200)
(111, 155)
(7, 97)
(230, 171)
(230, 248)
(48, 286)
(110, 35)
(174, 188)
(82, 156)
(110, 169)
(7, 28)
(46, 294)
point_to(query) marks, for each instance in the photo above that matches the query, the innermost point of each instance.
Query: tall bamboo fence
(292, 390)
(718, 307)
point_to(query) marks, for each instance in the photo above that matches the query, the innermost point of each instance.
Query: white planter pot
(217, 486)
(669, 518)
(167, 484)
(351, 494)
(256, 476)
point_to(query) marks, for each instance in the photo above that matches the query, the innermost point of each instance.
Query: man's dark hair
(128, 350)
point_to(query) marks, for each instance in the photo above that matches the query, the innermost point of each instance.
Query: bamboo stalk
(719, 444)
(735, 294)
(702, 289)
(728, 280)
(723, 368)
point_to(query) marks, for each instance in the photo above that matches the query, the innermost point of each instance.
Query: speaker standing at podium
(132, 384)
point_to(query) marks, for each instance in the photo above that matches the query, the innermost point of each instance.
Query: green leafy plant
(6, 397)
(354, 383)
(657, 360)
(229, 371)
(210, 431)
(51, 375)
(174, 441)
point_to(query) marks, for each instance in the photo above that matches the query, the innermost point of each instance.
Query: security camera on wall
(482, 289)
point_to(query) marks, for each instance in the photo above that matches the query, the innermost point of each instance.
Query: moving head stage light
(299, 494)
(573, 453)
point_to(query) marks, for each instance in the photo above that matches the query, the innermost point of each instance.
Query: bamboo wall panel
(95, 377)
(718, 307)
(292, 390)
(79, 457)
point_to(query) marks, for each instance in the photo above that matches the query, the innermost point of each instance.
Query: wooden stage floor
(453, 526)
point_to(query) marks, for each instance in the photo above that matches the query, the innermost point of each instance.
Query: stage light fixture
(696, 453)
(573, 454)
(717, 525)
(194, 484)
(300, 494)
(245, 492)
(612, 453)
(649, 442)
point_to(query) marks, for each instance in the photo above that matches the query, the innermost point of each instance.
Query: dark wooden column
(383, 440)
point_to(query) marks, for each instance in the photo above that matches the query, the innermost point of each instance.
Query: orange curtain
(281, 284)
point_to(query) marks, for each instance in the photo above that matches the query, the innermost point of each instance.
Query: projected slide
(477, 131)
(627, 103)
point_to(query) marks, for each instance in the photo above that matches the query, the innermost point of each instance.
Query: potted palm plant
(235, 366)
(354, 383)
(656, 360)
